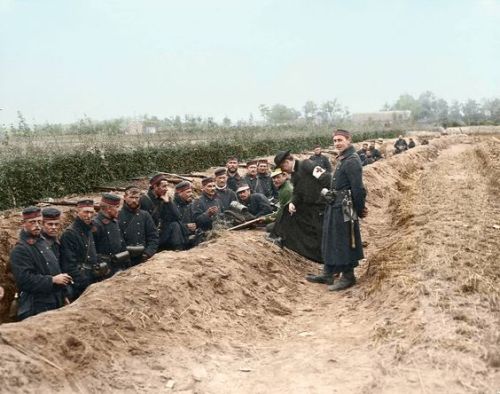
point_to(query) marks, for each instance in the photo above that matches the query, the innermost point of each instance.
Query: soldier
(251, 177)
(226, 195)
(159, 205)
(78, 253)
(258, 205)
(341, 245)
(362, 152)
(137, 227)
(374, 152)
(51, 225)
(400, 145)
(233, 177)
(208, 206)
(36, 269)
(108, 239)
(300, 225)
(320, 159)
(411, 144)
(285, 191)
(264, 183)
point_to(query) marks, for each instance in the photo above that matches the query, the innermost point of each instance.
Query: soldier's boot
(346, 280)
(325, 278)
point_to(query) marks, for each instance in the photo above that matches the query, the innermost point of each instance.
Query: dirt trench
(235, 315)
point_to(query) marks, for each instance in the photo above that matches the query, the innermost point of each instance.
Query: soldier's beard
(133, 205)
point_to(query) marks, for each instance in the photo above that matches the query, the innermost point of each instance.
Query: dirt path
(236, 315)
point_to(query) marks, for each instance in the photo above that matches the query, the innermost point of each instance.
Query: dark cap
(51, 213)
(132, 189)
(342, 132)
(110, 199)
(251, 163)
(207, 180)
(157, 179)
(85, 203)
(220, 171)
(31, 212)
(181, 186)
(280, 156)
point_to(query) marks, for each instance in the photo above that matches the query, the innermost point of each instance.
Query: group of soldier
(291, 201)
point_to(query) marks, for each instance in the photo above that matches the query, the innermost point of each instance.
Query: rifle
(349, 215)
(249, 223)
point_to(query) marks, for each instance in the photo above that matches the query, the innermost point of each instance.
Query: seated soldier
(374, 152)
(226, 195)
(400, 145)
(208, 206)
(258, 205)
(36, 269)
(233, 176)
(137, 227)
(320, 159)
(264, 184)
(285, 191)
(411, 144)
(251, 177)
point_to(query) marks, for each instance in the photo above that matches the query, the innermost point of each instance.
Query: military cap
(280, 156)
(86, 202)
(277, 171)
(110, 199)
(157, 179)
(220, 171)
(51, 213)
(251, 163)
(181, 186)
(132, 189)
(342, 132)
(242, 187)
(31, 212)
(207, 180)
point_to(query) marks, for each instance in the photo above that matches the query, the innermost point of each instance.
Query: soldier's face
(186, 195)
(33, 226)
(252, 170)
(317, 151)
(340, 142)
(262, 168)
(51, 227)
(161, 188)
(232, 165)
(244, 195)
(86, 214)
(278, 180)
(221, 180)
(209, 189)
(287, 166)
(132, 200)
(112, 211)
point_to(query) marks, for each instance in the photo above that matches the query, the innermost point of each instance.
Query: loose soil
(236, 316)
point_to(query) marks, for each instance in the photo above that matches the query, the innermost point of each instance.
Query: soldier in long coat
(137, 226)
(300, 226)
(341, 242)
(36, 269)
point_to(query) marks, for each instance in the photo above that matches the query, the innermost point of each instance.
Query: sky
(61, 60)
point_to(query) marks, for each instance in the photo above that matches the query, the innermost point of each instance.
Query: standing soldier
(226, 195)
(233, 176)
(36, 269)
(51, 225)
(321, 160)
(341, 244)
(137, 227)
(208, 206)
(109, 243)
(78, 253)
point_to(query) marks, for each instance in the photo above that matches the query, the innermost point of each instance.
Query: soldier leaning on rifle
(258, 205)
(341, 243)
(226, 195)
(233, 176)
(137, 227)
(78, 253)
(36, 269)
(208, 206)
(51, 225)
(109, 243)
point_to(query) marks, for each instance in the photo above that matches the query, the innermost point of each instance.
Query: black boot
(325, 278)
(346, 280)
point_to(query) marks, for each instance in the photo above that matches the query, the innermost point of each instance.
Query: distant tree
(332, 112)
(310, 111)
(407, 102)
(226, 122)
(279, 114)
(472, 112)
(455, 115)
(491, 109)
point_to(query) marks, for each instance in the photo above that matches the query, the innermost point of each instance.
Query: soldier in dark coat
(108, 239)
(300, 226)
(320, 159)
(137, 227)
(251, 176)
(264, 183)
(411, 144)
(374, 152)
(233, 176)
(208, 206)
(78, 253)
(400, 145)
(341, 244)
(36, 269)
(258, 205)
(226, 195)
(51, 226)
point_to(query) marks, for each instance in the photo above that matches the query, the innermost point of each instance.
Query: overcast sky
(61, 59)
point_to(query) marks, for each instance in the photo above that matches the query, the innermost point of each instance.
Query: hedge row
(24, 180)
